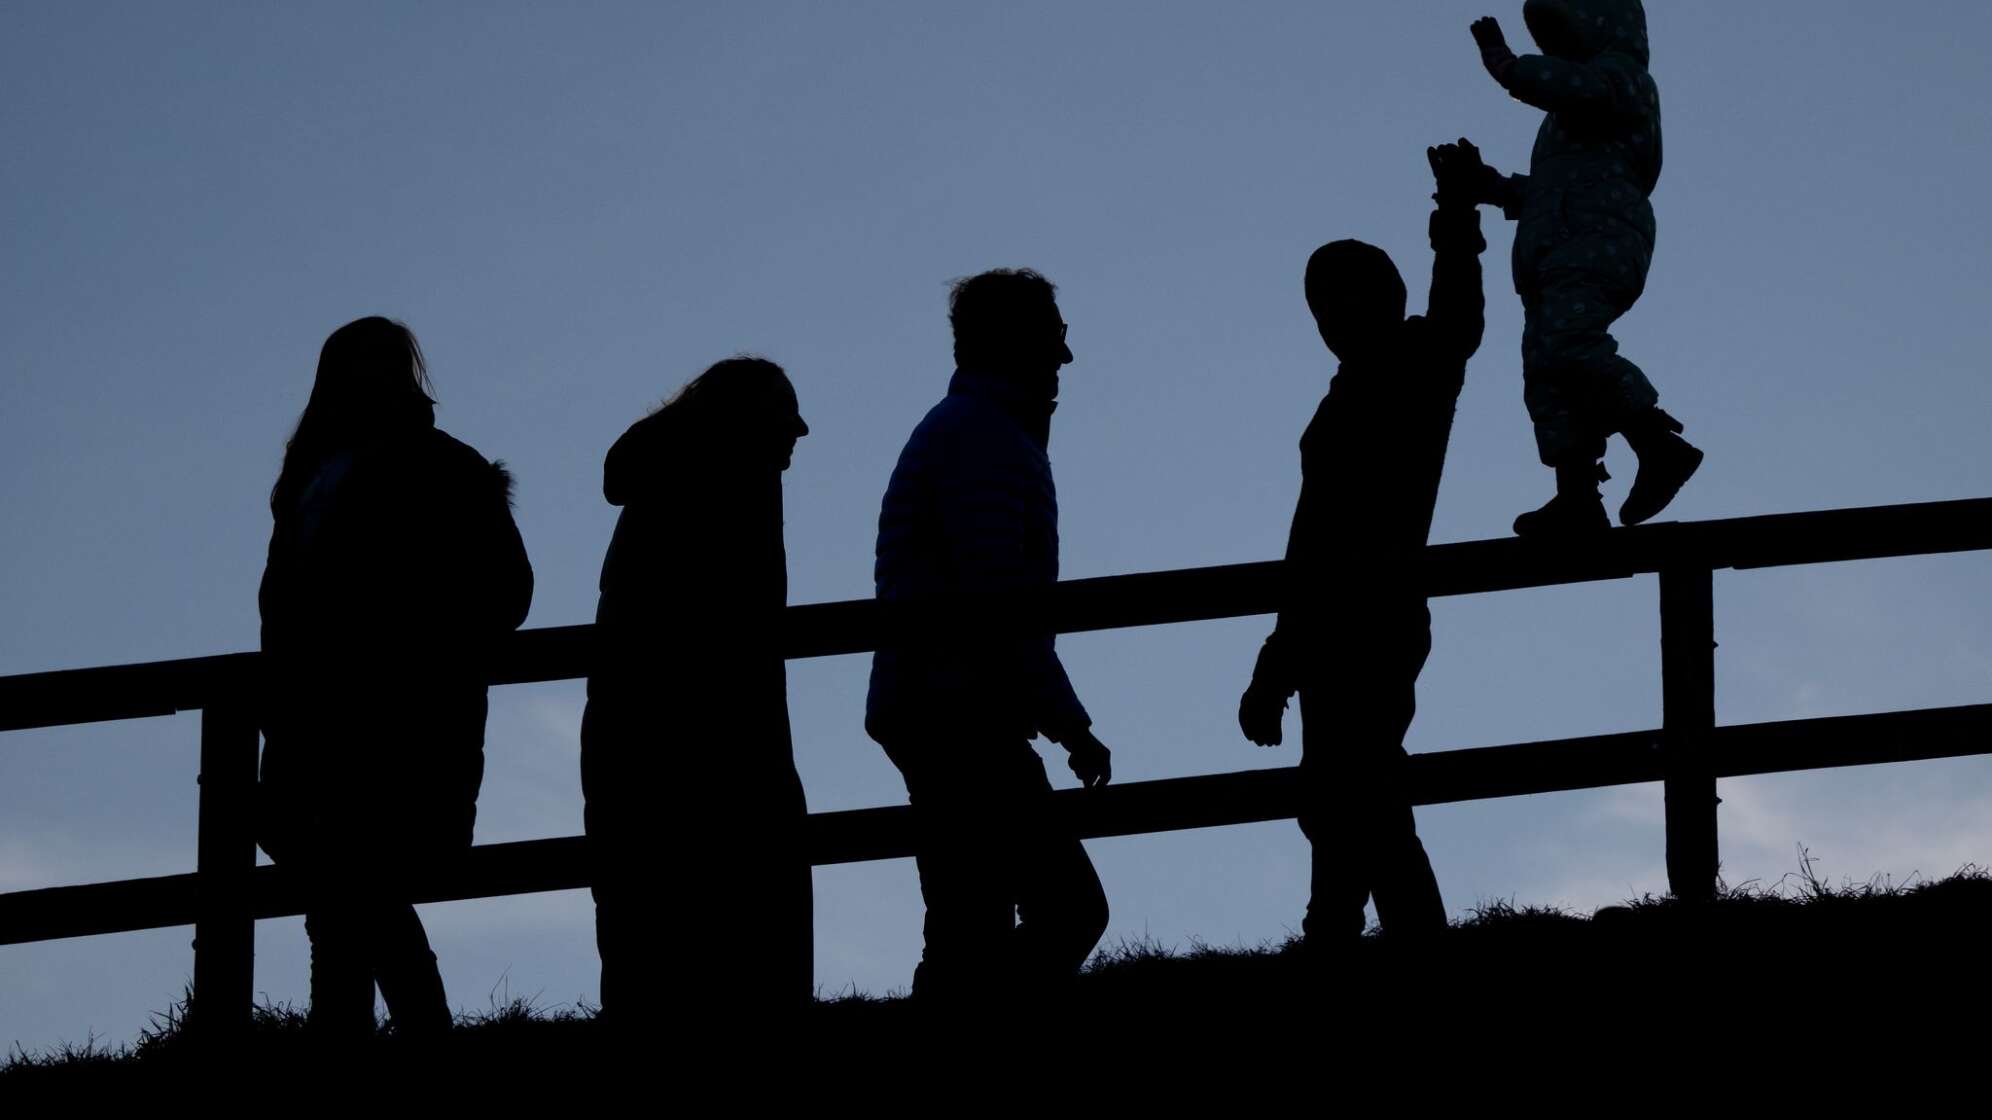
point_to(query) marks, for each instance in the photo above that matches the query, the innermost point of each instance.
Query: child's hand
(1494, 52)
(1487, 33)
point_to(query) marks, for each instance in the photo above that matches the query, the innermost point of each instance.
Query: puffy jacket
(971, 509)
(1597, 156)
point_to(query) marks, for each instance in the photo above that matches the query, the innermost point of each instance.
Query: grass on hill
(1798, 954)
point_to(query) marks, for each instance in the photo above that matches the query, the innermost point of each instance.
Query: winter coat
(1584, 202)
(389, 576)
(695, 816)
(689, 669)
(971, 509)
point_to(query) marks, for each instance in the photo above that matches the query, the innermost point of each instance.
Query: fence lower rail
(1136, 808)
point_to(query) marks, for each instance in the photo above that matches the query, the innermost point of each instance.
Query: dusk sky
(579, 206)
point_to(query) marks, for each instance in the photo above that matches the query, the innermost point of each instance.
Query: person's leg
(1061, 906)
(611, 797)
(612, 925)
(970, 911)
(623, 890)
(1408, 903)
(792, 892)
(342, 986)
(1555, 389)
(1591, 390)
(1568, 354)
(766, 966)
(375, 874)
(314, 855)
(405, 967)
(1339, 882)
(1357, 808)
(1595, 389)
(416, 768)
(336, 921)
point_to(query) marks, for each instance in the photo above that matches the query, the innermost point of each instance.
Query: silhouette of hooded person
(393, 564)
(1583, 246)
(1013, 902)
(1354, 630)
(695, 813)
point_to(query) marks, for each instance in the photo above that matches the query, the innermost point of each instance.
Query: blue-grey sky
(577, 207)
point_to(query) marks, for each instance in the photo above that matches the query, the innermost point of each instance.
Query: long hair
(726, 399)
(371, 381)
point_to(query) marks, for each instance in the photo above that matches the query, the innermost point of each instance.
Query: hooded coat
(390, 572)
(695, 814)
(692, 591)
(1585, 233)
(1597, 155)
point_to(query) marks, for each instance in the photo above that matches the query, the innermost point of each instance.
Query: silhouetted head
(1006, 324)
(1579, 30)
(742, 404)
(372, 383)
(1357, 298)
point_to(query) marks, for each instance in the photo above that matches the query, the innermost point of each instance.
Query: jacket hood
(1595, 26)
(642, 461)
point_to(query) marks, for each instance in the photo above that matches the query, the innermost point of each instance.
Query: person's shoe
(1564, 516)
(1577, 510)
(1666, 463)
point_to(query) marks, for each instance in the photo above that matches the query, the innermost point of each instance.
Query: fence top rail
(1109, 602)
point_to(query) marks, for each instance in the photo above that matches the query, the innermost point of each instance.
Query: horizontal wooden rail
(1168, 805)
(1110, 602)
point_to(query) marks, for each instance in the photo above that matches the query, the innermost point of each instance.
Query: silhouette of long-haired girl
(393, 562)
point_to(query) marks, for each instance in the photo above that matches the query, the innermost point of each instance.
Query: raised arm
(1554, 85)
(1457, 308)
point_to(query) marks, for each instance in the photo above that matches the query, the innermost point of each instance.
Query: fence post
(224, 921)
(1687, 668)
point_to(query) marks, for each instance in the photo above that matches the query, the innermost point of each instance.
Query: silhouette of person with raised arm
(394, 562)
(695, 814)
(1354, 629)
(1013, 903)
(1583, 245)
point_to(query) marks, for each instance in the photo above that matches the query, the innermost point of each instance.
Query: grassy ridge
(1800, 955)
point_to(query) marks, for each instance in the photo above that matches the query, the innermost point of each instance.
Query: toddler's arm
(1553, 85)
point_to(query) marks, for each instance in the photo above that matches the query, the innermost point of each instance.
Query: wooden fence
(227, 892)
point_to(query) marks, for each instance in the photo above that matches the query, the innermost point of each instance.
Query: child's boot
(1666, 462)
(1577, 508)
